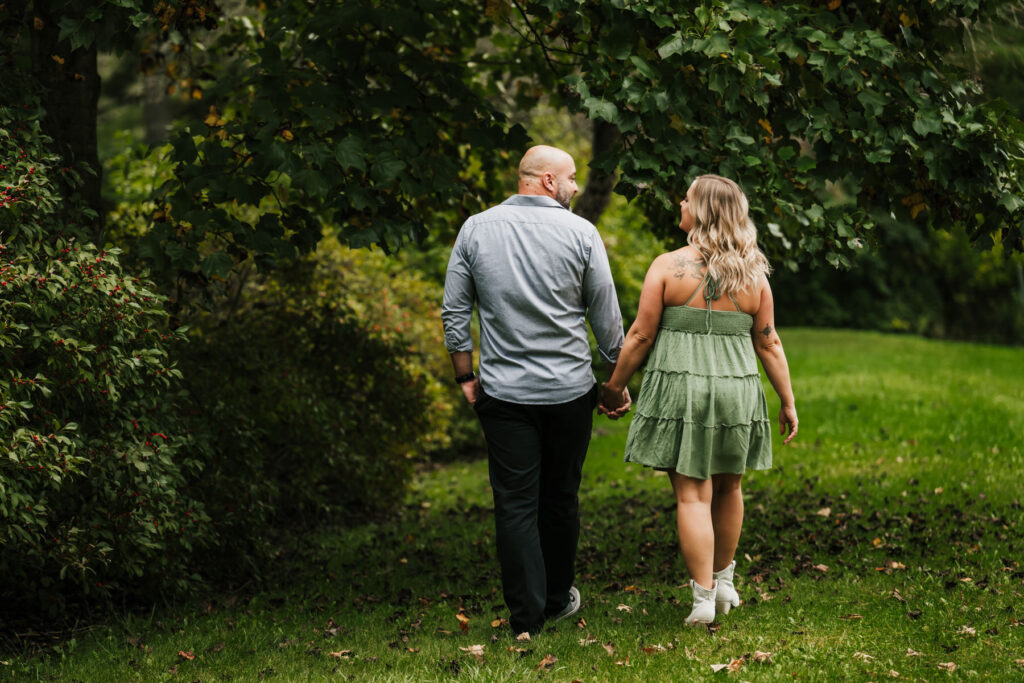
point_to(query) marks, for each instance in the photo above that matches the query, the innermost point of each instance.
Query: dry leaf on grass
(1019, 662)
(622, 662)
(524, 636)
(718, 667)
(609, 648)
(893, 673)
(582, 623)
(340, 654)
(851, 617)
(651, 649)
(499, 622)
(624, 608)
(967, 631)
(863, 656)
(413, 650)
(186, 654)
(463, 622)
(947, 666)
(762, 657)
(587, 641)
(824, 512)
(547, 662)
(820, 567)
(913, 653)
(476, 650)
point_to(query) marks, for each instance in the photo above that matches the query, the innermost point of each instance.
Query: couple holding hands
(536, 273)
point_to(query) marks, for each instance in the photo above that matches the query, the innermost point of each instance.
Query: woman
(701, 415)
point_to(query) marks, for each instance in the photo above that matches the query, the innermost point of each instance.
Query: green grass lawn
(886, 543)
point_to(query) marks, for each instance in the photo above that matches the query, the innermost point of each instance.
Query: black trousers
(535, 456)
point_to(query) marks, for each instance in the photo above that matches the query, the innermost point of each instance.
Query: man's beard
(563, 195)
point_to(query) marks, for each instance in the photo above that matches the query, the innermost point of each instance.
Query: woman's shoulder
(683, 262)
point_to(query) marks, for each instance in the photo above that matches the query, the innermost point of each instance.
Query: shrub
(313, 404)
(92, 482)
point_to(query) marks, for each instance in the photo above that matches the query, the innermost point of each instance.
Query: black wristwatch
(468, 377)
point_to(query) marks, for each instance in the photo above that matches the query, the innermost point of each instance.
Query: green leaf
(349, 153)
(184, 148)
(600, 109)
(670, 46)
(217, 264)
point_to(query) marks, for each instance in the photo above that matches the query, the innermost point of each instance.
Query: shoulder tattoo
(688, 267)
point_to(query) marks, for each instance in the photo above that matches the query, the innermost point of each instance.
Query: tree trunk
(70, 95)
(598, 191)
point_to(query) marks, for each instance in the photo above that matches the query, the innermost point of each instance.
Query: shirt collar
(533, 200)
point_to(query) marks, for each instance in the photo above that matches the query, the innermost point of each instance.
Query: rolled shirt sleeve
(459, 294)
(602, 303)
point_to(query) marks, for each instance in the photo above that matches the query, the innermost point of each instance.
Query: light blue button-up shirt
(537, 272)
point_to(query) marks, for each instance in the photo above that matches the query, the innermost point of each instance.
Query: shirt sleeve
(602, 303)
(459, 295)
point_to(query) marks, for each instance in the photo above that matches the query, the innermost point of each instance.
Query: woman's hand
(787, 417)
(614, 404)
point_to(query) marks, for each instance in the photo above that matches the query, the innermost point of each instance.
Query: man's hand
(471, 390)
(614, 404)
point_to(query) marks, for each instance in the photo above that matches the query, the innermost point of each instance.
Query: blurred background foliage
(308, 376)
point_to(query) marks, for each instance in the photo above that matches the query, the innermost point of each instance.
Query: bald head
(548, 171)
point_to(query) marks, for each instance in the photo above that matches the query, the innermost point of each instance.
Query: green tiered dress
(701, 408)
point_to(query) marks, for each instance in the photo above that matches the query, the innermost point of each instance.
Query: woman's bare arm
(640, 336)
(768, 347)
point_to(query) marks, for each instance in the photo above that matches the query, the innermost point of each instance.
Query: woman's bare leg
(693, 520)
(726, 517)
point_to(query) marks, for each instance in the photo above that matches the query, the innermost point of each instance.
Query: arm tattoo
(767, 331)
(688, 266)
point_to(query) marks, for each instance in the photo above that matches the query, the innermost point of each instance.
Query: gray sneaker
(572, 608)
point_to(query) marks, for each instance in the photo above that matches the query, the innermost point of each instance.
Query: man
(536, 271)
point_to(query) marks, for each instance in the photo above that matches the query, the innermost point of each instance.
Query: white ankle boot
(703, 604)
(726, 597)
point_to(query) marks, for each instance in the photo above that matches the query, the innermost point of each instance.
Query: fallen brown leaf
(651, 649)
(587, 641)
(863, 656)
(762, 657)
(851, 617)
(582, 623)
(476, 650)
(624, 608)
(735, 665)
(967, 631)
(217, 648)
(913, 653)
(947, 666)
(609, 648)
(547, 662)
(524, 636)
(893, 673)
(499, 622)
(340, 654)
(820, 567)
(622, 662)
(413, 650)
(718, 667)
(186, 654)
(463, 622)
(824, 512)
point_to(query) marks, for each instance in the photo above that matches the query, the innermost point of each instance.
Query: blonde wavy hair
(724, 234)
